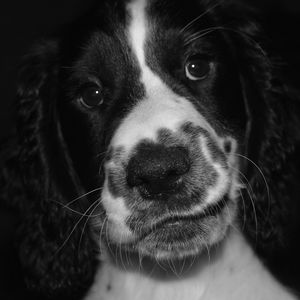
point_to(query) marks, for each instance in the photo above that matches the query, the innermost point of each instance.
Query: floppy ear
(57, 258)
(272, 172)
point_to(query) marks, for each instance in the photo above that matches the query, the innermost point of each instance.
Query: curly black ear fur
(272, 165)
(51, 259)
(49, 236)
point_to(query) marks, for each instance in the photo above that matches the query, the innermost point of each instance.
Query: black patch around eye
(91, 96)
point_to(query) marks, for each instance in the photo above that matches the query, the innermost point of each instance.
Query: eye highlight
(91, 96)
(197, 68)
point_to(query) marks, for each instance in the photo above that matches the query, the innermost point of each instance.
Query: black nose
(157, 170)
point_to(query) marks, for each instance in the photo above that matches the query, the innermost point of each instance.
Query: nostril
(157, 169)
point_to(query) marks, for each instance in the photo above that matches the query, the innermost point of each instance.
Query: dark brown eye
(91, 96)
(197, 68)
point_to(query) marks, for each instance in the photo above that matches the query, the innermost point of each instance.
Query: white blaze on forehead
(137, 34)
(160, 107)
(137, 28)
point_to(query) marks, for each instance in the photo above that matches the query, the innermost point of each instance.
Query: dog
(156, 156)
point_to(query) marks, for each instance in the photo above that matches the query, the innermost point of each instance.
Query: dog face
(155, 100)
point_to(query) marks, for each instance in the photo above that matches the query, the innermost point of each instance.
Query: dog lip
(210, 211)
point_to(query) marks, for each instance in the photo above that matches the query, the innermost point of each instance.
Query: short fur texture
(50, 167)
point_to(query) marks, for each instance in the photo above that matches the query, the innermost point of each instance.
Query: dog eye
(91, 96)
(197, 68)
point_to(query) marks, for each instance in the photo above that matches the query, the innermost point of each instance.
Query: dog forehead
(155, 34)
(125, 36)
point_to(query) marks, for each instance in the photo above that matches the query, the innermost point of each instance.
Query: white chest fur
(233, 272)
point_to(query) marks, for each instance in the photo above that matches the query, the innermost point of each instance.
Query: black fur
(55, 159)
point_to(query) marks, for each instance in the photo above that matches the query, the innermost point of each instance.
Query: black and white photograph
(150, 150)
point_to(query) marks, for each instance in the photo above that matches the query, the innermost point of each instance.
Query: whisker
(172, 267)
(244, 210)
(76, 211)
(127, 258)
(75, 226)
(101, 232)
(115, 255)
(182, 266)
(86, 194)
(101, 165)
(263, 176)
(199, 33)
(86, 221)
(192, 22)
(193, 259)
(160, 265)
(140, 256)
(101, 153)
(150, 272)
(229, 213)
(107, 239)
(254, 212)
(119, 247)
(208, 252)
(243, 34)
(250, 193)
(244, 176)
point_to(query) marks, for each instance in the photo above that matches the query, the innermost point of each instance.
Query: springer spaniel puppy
(156, 157)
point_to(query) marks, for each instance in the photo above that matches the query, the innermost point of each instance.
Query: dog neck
(230, 271)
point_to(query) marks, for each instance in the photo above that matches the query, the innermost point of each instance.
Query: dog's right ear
(56, 251)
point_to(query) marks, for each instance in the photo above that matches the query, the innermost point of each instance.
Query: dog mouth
(180, 236)
(182, 227)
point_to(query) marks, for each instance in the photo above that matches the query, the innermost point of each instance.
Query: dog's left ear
(272, 140)
(243, 35)
(57, 256)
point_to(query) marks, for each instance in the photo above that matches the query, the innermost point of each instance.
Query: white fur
(234, 274)
(116, 212)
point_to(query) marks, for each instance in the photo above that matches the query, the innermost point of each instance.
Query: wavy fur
(45, 177)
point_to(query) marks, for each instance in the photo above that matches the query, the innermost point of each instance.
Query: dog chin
(178, 250)
(180, 240)
(174, 251)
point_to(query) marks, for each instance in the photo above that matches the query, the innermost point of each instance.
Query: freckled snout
(157, 171)
(171, 192)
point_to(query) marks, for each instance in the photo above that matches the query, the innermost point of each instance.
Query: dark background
(22, 22)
